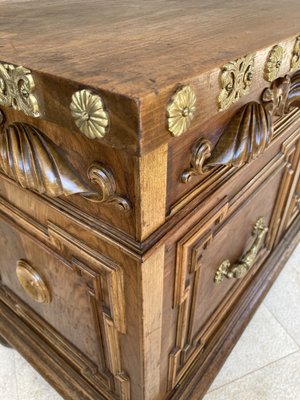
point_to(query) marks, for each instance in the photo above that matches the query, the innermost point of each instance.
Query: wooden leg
(3, 342)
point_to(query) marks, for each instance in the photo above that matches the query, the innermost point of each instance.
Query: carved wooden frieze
(16, 89)
(249, 132)
(30, 158)
(236, 78)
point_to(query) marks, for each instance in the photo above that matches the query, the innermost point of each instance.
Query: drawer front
(77, 309)
(217, 257)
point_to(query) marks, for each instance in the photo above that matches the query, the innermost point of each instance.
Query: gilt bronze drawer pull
(240, 269)
(32, 283)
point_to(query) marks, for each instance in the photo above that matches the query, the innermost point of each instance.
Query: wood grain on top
(138, 47)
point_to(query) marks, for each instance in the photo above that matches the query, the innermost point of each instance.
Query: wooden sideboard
(149, 186)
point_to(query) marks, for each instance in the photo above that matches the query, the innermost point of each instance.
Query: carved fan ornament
(36, 163)
(249, 132)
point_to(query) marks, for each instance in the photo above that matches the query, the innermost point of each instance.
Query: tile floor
(264, 365)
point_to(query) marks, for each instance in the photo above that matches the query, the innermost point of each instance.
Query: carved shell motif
(245, 137)
(35, 162)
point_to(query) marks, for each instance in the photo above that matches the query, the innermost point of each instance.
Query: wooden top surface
(137, 47)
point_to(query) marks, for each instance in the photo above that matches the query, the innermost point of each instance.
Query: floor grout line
(252, 372)
(283, 327)
(265, 365)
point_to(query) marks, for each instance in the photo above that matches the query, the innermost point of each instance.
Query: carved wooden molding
(106, 291)
(30, 158)
(249, 132)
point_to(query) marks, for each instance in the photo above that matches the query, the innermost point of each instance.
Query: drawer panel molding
(190, 250)
(36, 163)
(249, 132)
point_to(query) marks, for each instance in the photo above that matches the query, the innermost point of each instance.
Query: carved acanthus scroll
(36, 163)
(249, 132)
